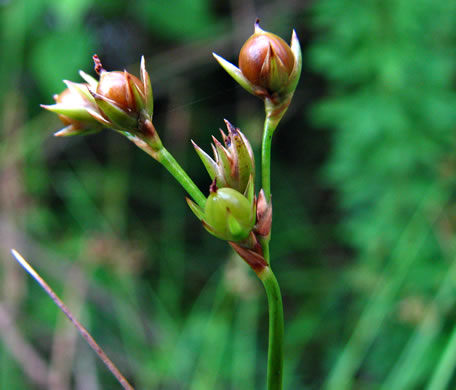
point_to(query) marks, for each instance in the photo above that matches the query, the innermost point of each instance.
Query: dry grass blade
(83, 331)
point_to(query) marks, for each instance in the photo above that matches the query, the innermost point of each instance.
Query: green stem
(266, 158)
(173, 167)
(149, 141)
(275, 348)
(152, 145)
(446, 366)
(274, 113)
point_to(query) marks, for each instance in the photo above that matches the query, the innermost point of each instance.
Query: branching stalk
(173, 167)
(161, 154)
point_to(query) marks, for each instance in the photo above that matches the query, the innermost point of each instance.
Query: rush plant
(232, 209)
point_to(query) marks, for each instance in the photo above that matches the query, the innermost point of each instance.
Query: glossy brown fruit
(253, 58)
(114, 86)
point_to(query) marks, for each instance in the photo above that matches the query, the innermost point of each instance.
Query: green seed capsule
(229, 215)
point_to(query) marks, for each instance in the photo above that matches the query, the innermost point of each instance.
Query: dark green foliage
(166, 19)
(390, 67)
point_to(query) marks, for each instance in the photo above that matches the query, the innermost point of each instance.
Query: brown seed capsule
(114, 86)
(266, 60)
(268, 68)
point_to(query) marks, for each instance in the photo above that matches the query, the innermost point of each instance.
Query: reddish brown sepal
(252, 257)
(264, 215)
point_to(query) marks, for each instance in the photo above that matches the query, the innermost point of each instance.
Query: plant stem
(445, 367)
(150, 142)
(266, 158)
(274, 113)
(173, 167)
(275, 348)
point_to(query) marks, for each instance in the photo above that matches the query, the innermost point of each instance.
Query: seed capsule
(266, 60)
(268, 67)
(115, 86)
(229, 215)
(125, 101)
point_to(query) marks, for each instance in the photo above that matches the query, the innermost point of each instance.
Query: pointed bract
(195, 208)
(263, 215)
(73, 112)
(149, 98)
(250, 190)
(208, 162)
(233, 164)
(88, 79)
(82, 90)
(70, 131)
(117, 116)
(137, 96)
(74, 106)
(237, 75)
(253, 258)
(296, 72)
(225, 163)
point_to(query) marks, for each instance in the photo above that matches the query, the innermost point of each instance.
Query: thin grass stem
(83, 331)
(276, 330)
(445, 367)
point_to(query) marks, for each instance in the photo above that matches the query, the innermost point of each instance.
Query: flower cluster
(118, 100)
(268, 68)
(77, 108)
(229, 212)
(232, 212)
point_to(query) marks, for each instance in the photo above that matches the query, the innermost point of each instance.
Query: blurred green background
(364, 168)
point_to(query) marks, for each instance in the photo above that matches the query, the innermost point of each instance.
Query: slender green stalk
(275, 349)
(173, 167)
(266, 157)
(150, 143)
(264, 242)
(274, 113)
(446, 366)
